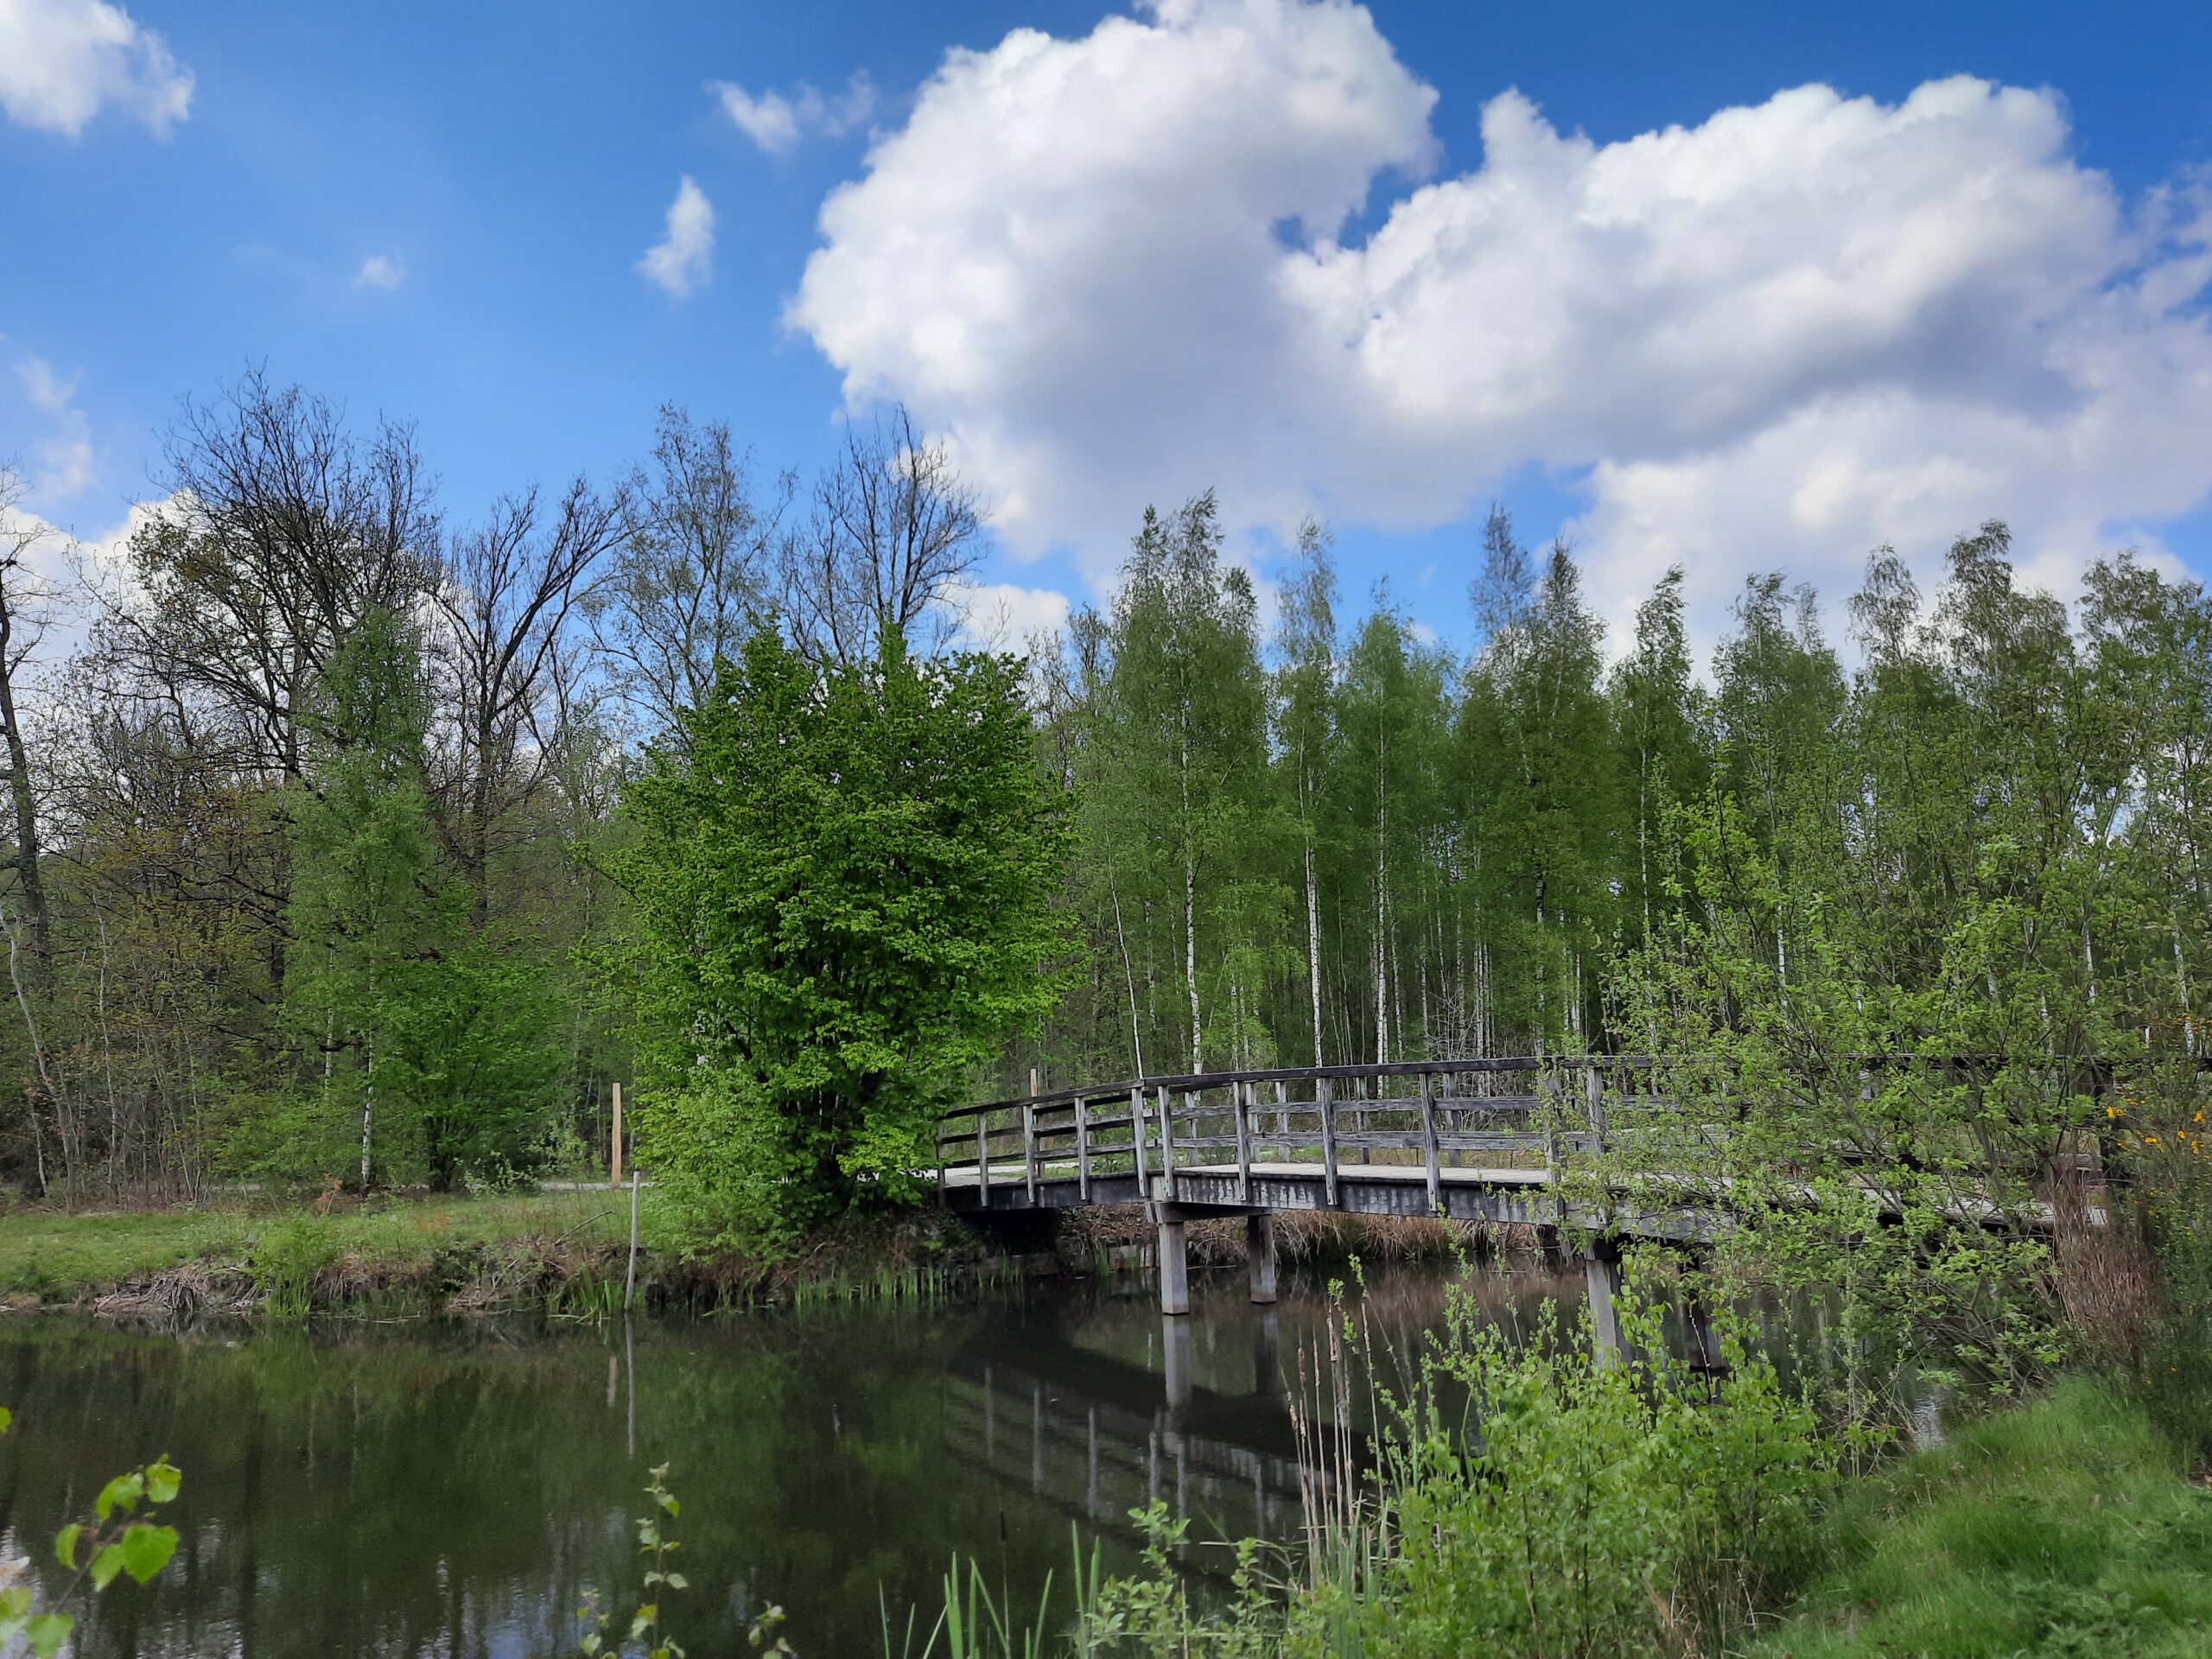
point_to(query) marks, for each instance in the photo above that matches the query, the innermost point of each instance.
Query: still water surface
(355, 1489)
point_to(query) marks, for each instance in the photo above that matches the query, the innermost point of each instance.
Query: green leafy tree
(439, 1044)
(844, 875)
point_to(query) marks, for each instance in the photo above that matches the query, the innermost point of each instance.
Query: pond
(452, 1489)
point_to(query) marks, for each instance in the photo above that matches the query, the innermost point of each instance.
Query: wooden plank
(1136, 1138)
(1326, 1093)
(1167, 1139)
(1082, 1148)
(1241, 1104)
(1428, 1136)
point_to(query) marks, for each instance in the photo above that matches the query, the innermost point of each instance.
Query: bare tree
(25, 601)
(894, 526)
(509, 593)
(694, 573)
(282, 528)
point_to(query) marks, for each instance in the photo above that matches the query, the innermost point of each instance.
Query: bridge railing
(1432, 1114)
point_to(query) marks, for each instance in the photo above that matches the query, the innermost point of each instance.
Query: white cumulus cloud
(65, 463)
(777, 121)
(1004, 615)
(1115, 270)
(684, 260)
(61, 61)
(384, 271)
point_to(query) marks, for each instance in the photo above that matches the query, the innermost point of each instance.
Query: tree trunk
(1191, 914)
(1313, 944)
(24, 803)
(368, 1118)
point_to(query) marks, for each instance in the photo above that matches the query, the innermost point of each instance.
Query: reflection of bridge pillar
(1175, 1343)
(1266, 1355)
(1174, 1269)
(1260, 1248)
(1602, 1270)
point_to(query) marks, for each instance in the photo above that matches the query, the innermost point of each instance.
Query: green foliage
(2053, 1530)
(646, 1632)
(96, 1553)
(432, 1047)
(1579, 1506)
(287, 1262)
(843, 877)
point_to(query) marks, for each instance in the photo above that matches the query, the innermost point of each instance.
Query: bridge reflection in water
(1115, 1408)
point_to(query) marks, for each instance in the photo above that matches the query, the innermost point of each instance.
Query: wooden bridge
(1475, 1139)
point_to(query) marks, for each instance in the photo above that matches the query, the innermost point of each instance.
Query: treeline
(1310, 839)
(328, 829)
(308, 820)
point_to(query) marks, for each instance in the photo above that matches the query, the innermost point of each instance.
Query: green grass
(59, 1255)
(2059, 1529)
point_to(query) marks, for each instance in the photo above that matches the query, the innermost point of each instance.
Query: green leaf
(147, 1549)
(677, 1581)
(591, 1644)
(163, 1480)
(15, 1612)
(47, 1632)
(105, 1566)
(6, 1418)
(123, 1492)
(65, 1544)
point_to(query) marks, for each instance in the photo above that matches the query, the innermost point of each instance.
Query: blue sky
(1771, 341)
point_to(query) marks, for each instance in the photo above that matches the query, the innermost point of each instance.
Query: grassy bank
(564, 1250)
(242, 1254)
(2060, 1527)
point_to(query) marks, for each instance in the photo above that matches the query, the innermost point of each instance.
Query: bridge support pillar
(1174, 1269)
(1260, 1249)
(1602, 1271)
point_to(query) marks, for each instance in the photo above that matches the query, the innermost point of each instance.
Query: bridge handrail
(1196, 1082)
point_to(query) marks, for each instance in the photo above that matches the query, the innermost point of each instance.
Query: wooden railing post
(1082, 1148)
(1029, 1137)
(1594, 1084)
(1429, 1145)
(1240, 1102)
(984, 1158)
(1324, 1097)
(1136, 1140)
(1167, 1139)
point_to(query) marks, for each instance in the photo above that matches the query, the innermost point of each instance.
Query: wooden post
(1167, 1141)
(1240, 1102)
(983, 1158)
(1282, 1108)
(1429, 1143)
(1602, 1271)
(1082, 1148)
(1136, 1141)
(1029, 1137)
(1325, 1097)
(1174, 1269)
(1594, 1085)
(614, 1149)
(1260, 1253)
